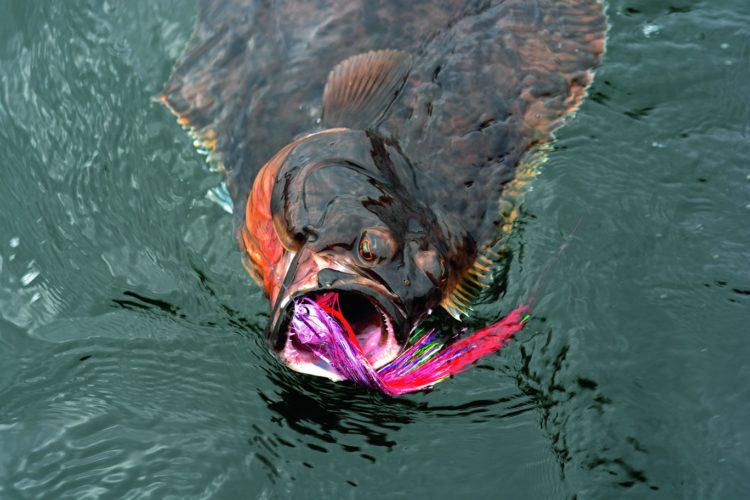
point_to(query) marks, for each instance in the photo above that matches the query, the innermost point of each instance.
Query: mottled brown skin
(489, 82)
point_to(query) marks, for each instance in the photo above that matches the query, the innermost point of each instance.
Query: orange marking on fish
(259, 238)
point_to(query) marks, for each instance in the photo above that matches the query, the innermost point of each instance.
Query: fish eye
(376, 245)
(365, 250)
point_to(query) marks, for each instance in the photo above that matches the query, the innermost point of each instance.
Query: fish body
(377, 149)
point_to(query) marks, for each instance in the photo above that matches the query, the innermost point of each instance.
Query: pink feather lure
(425, 361)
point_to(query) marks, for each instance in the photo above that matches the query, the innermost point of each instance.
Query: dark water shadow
(563, 395)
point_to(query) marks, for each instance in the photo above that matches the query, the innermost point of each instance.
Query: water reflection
(131, 357)
(336, 414)
(328, 412)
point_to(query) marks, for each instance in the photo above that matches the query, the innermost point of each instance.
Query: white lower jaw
(313, 369)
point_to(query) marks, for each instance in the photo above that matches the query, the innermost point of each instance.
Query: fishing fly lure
(319, 326)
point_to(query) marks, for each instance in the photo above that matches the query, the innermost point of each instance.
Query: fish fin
(220, 195)
(204, 139)
(513, 191)
(482, 272)
(360, 89)
(459, 303)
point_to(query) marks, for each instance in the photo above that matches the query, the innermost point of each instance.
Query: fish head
(345, 220)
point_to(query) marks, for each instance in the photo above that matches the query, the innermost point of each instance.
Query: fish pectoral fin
(360, 89)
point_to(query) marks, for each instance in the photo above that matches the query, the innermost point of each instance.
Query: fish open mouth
(369, 322)
(349, 335)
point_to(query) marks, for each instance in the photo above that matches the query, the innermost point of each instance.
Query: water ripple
(131, 363)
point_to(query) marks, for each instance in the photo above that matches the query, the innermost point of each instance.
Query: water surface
(131, 364)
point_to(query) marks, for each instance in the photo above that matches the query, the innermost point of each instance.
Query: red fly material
(426, 360)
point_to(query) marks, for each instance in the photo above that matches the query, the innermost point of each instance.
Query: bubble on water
(14, 242)
(657, 145)
(724, 46)
(651, 29)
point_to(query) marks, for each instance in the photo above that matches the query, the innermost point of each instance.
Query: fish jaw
(371, 335)
(377, 321)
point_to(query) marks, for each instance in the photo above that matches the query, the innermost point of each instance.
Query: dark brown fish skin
(331, 189)
(490, 81)
(254, 75)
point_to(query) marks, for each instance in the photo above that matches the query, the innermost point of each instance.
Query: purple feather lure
(427, 359)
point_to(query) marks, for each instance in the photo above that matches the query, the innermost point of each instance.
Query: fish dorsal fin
(492, 256)
(360, 89)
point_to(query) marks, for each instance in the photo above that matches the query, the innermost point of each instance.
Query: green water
(130, 360)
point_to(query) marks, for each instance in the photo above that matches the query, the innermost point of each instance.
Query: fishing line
(551, 260)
